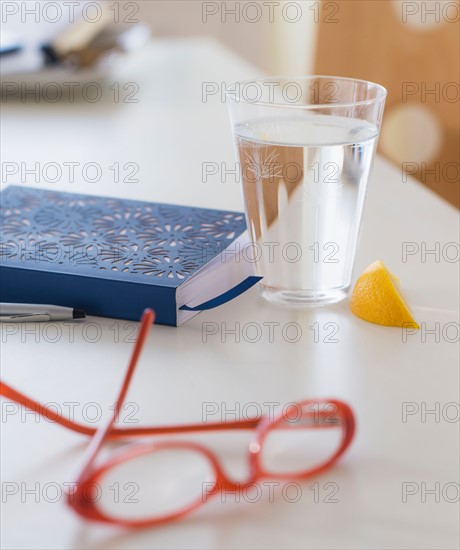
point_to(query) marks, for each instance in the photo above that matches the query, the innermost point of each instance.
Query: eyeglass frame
(82, 500)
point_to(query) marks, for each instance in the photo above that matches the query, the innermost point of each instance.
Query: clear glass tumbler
(305, 147)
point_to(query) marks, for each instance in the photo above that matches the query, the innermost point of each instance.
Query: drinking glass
(305, 148)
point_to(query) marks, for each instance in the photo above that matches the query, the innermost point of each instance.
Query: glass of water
(305, 147)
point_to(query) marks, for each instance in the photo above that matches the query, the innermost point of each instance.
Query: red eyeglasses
(297, 442)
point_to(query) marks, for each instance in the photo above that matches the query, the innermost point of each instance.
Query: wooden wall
(412, 48)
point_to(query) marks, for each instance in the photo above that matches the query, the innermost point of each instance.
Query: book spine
(99, 297)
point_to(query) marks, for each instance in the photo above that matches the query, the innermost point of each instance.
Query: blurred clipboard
(84, 48)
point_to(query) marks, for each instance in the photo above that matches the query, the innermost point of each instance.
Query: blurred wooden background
(412, 48)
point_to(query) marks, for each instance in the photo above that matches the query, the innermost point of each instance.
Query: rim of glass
(382, 92)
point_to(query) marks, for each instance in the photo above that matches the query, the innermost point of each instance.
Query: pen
(22, 313)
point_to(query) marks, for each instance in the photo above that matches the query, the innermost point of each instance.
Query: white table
(169, 133)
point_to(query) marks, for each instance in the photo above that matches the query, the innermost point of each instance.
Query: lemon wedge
(376, 298)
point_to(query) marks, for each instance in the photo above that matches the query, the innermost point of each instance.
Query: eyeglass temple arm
(119, 433)
(322, 421)
(102, 433)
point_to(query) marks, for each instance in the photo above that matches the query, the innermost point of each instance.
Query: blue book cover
(115, 257)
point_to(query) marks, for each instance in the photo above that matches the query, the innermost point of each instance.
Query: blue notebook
(115, 257)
